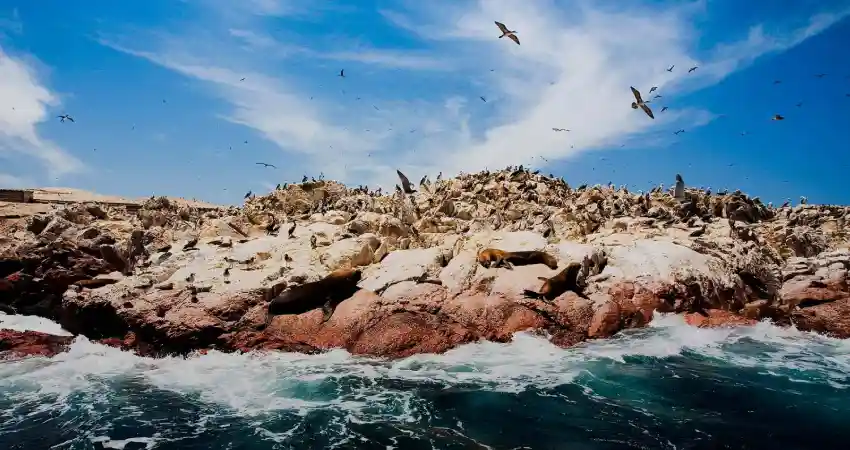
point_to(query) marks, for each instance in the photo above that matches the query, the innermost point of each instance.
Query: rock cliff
(173, 279)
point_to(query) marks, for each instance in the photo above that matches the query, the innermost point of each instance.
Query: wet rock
(20, 344)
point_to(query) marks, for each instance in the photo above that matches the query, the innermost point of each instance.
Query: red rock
(832, 319)
(717, 318)
(18, 344)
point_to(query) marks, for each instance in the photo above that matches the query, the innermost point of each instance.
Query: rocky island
(172, 278)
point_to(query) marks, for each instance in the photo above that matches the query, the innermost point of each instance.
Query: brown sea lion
(565, 280)
(493, 257)
(326, 293)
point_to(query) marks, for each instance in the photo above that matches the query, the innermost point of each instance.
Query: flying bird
(65, 116)
(777, 81)
(506, 32)
(641, 103)
(483, 99)
(653, 89)
(560, 129)
(266, 164)
(342, 73)
(799, 104)
(664, 109)
(671, 68)
(242, 79)
(657, 96)
(777, 117)
(680, 131)
(820, 75)
(692, 69)
(405, 183)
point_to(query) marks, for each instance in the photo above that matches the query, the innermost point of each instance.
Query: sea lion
(565, 280)
(326, 293)
(493, 257)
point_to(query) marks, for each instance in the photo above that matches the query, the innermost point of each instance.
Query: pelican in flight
(639, 102)
(506, 32)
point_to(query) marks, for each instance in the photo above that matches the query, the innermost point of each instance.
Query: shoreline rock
(172, 280)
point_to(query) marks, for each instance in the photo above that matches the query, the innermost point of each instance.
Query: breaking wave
(666, 386)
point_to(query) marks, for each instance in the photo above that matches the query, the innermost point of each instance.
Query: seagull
(266, 165)
(653, 89)
(680, 131)
(640, 102)
(777, 117)
(342, 73)
(692, 69)
(65, 116)
(506, 32)
(671, 68)
(405, 183)
(664, 109)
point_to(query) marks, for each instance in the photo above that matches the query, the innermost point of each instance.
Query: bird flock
(406, 185)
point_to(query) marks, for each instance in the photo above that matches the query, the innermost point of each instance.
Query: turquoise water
(669, 386)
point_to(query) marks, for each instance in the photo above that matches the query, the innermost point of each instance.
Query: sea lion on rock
(493, 257)
(565, 280)
(326, 293)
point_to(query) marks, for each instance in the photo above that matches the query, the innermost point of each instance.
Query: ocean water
(668, 386)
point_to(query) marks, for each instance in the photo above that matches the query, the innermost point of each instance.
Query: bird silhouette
(671, 68)
(680, 131)
(342, 73)
(405, 183)
(266, 164)
(63, 117)
(506, 32)
(692, 69)
(664, 109)
(651, 90)
(777, 117)
(820, 75)
(640, 103)
(247, 195)
(483, 99)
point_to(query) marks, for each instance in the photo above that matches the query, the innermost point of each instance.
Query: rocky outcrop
(172, 280)
(19, 344)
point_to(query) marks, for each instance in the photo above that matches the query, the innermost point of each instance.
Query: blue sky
(160, 106)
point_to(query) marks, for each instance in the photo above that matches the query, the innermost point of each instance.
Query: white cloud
(25, 104)
(573, 70)
(11, 181)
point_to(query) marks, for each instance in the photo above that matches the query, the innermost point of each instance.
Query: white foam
(258, 383)
(20, 322)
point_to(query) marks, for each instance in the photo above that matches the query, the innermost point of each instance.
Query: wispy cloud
(11, 181)
(26, 104)
(11, 23)
(573, 70)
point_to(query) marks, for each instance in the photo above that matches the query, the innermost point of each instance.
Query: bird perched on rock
(639, 102)
(190, 244)
(291, 231)
(247, 195)
(405, 183)
(679, 189)
(506, 32)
